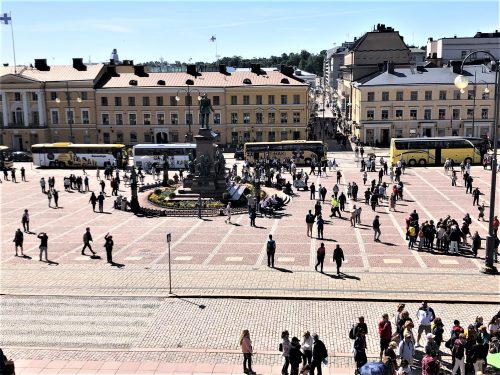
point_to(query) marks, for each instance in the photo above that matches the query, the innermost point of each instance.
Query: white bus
(150, 155)
(72, 155)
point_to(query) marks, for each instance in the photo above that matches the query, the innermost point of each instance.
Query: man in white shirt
(425, 316)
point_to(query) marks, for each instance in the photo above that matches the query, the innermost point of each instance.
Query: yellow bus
(435, 151)
(6, 161)
(72, 155)
(302, 152)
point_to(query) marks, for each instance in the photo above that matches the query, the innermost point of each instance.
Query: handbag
(280, 347)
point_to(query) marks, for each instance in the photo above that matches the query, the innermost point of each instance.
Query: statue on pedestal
(205, 109)
(219, 163)
(202, 166)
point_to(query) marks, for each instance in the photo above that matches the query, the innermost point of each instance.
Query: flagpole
(13, 45)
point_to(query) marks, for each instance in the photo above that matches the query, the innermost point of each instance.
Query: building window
(246, 136)
(148, 137)
(133, 137)
(85, 116)
(284, 135)
(284, 99)
(463, 54)
(427, 114)
(258, 100)
(234, 118)
(284, 118)
(174, 137)
(17, 96)
(131, 101)
(271, 118)
(246, 118)
(296, 99)
(132, 119)
(84, 95)
(105, 118)
(456, 113)
(104, 101)
(442, 95)
(470, 113)
(399, 96)
(271, 137)
(216, 100)
(216, 118)
(370, 114)
(173, 101)
(118, 101)
(270, 99)
(399, 133)
(258, 118)
(385, 96)
(258, 136)
(234, 100)
(414, 95)
(371, 96)
(160, 118)
(234, 138)
(484, 113)
(189, 118)
(442, 114)
(53, 95)
(485, 95)
(146, 118)
(159, 100)
(399, 114)
(456, 94)
(119, 137)
(106, 138)
(174, 118)
(54, 116)
(34, 96)
(428, 95)
(470, 94)
(413, 114)
(145, 101)
(385, 114)
(296, 117)
(246, 99)
(119, 118)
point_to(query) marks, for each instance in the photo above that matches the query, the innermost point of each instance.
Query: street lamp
(462, 82)
(69, 112)
(188, 92)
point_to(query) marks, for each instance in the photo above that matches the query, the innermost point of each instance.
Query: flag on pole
(5, 19)
(213, 38)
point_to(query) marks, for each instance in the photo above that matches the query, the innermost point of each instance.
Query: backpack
(352, 332)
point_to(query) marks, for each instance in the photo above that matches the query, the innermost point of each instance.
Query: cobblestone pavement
(198, 330)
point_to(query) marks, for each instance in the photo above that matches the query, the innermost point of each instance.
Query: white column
(5, 109)
(26, 111)
(41, 107)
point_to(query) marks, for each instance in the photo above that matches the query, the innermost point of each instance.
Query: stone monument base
(210, 186)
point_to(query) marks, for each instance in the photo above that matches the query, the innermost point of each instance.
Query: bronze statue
(219, 163)
(205, 109)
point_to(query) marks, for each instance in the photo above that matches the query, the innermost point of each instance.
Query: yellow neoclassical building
(122, 103)
(422, 102)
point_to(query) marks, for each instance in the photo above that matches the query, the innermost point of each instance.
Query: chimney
(5, 64)
(456, 66)
(255, 68)
(191, 70)
(78, 64)
(139, 71)
(111, 71)
(223, 69)
(390, 67)
(41, 65)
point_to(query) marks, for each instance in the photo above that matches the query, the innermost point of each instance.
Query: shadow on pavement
(283, 270)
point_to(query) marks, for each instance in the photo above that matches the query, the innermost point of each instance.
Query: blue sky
(174, 30)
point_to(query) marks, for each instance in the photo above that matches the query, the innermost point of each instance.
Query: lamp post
(69, 112)
(188, 92)
(462, 82)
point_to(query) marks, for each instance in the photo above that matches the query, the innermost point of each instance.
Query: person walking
(247, 350)
(100, 200)
(312, 188)
(18, 241)
(339, 177)
(23, 174)
(353, 216)
(43, 245)
(93, 201)
(103, 186)
(338, 257)
(26, 221)
(309, 223)
(49, 196)
(228, 213)
(319, 353)
(87, 239)
(109, 248)
(320, 256)
(86, 183)
(55, 195)
(476, 193)
(253, 216)
(476, 243)
(285, 349)
(321, 224)
(43, 184)
(376, 229)
(271, 250)
(425, 316)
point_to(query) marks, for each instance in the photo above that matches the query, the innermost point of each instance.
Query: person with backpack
(458, 354)
(271, 250)
(430, 363)
(407, 349)
(338, 257)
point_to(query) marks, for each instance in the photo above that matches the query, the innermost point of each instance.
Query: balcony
(23, 126)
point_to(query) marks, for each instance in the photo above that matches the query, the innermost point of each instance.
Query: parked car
(22, 156)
